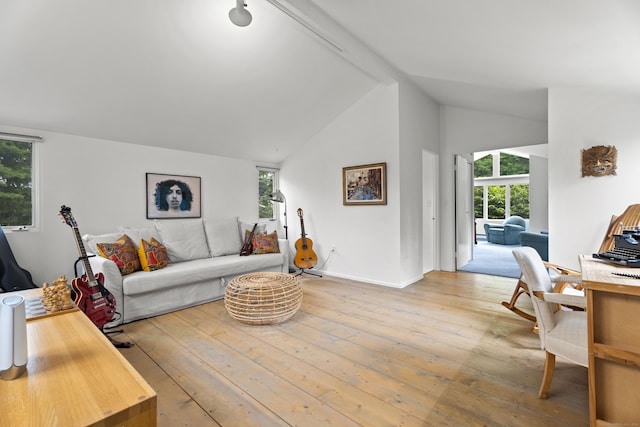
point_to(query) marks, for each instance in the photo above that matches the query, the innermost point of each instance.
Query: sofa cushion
(265, 243)
(222, 236)
(91, 240)
(201, 270)
(184, 239)
(122, 252)
(138, 233)
(153, 255)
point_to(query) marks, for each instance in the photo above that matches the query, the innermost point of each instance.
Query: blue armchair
(508, 233)
(538, 241)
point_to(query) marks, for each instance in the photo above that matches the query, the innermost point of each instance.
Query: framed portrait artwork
(173, 196)
(364, 185)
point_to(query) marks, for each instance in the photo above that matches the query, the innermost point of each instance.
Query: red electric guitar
(88, 291)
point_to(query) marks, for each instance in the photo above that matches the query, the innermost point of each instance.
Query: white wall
(538, 194)
(467, 131)
(104, 184)
(580, 208)
(367, 238)
(419, 130)
(379, 244)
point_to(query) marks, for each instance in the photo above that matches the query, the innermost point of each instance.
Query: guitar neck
(83, 256)
(303, 234)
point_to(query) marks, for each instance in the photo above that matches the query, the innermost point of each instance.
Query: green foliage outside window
(15, 183)
(478, 201)
(483, 167)
(265, 187)
(520, 200)
(513, 165)
(496, 196)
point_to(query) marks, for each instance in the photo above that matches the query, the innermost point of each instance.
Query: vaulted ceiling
(179, 74)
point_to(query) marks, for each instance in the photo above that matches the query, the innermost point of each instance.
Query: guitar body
(94, 299)
(305, 257)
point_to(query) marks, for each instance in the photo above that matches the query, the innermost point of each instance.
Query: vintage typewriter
(626, 249)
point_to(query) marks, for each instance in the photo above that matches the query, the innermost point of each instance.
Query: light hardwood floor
(442, 351)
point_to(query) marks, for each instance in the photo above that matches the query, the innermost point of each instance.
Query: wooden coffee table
(75, 377)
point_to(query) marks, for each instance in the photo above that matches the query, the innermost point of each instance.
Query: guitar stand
(82, 258)
(304, 271)
(116, 344)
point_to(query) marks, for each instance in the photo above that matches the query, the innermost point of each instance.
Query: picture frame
(173, 196)
(364, 185)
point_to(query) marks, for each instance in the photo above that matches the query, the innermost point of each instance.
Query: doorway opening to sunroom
(510, 197)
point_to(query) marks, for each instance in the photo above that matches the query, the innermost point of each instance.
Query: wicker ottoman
(263, 298)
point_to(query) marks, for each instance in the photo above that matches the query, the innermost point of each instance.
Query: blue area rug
(491, 258)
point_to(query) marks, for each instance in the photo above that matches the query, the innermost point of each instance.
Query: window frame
(274, 187)
(35, 181)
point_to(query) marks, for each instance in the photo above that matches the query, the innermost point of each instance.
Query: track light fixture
(239, 15)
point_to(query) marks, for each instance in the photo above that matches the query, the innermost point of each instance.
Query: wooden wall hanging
(599, 160)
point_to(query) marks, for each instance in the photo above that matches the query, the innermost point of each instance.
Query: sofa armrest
(283, 244)
(112, 281)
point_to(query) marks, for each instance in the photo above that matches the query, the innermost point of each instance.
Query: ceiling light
(239, 15)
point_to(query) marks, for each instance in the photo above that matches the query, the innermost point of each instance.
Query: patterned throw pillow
(265, 243)
(122, 252)
(153, 255)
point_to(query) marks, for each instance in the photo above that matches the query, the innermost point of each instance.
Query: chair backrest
(516, 220)
(536, 276)
(12, 276)
(629, 218)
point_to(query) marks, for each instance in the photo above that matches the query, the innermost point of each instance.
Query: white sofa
(203, 258)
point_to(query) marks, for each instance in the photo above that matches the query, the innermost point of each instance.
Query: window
(496, 197)
(267, 180)
(483, 167)
(478, 201)
(513, 165)
(17, 180)
(501, 186)
(520, 200)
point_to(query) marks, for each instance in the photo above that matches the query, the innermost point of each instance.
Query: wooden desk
(613, 310)
(75, 377)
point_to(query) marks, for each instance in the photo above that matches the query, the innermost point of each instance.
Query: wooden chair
(568, 280)
(562, 333)
(565, 281)
(630, 219)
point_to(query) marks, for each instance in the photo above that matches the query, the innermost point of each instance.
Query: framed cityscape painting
(364, 185)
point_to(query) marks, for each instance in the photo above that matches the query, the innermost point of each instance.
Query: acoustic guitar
(305, 257)
(88, 291)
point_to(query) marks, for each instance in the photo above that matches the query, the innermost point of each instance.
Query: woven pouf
(263, 298)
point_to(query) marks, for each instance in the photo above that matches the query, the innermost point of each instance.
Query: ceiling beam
(338, 39)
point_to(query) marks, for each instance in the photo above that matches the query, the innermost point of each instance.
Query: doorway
(464, 210)
(430, 239)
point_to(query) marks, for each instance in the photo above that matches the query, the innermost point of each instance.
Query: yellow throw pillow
(122, 252)
(153, 255)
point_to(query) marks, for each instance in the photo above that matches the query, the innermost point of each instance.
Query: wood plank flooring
(440, 352)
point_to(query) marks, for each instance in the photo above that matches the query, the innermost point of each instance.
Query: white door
(429, 209)
(464, 211)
